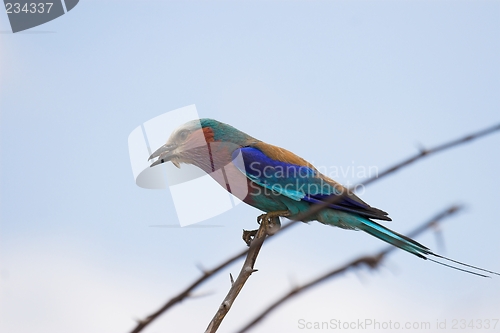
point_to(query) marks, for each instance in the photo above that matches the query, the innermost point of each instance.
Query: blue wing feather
(297, 182)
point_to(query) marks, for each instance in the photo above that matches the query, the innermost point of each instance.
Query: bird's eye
(183, 135)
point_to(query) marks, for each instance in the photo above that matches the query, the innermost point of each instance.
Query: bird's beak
(164, 154)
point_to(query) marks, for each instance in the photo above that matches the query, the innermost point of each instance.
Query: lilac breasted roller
(276, 180)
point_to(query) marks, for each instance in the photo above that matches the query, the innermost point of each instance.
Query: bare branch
(141, 324)
(371, 261)
(246, 271)
(313, 210)
(423, 153)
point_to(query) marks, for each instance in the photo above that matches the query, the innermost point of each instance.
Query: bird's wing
(291, 176)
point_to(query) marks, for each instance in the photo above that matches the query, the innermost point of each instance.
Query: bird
(278, 182)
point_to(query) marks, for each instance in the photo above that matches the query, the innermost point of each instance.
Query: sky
(346, 85)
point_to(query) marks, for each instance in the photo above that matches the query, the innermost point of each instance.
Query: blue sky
(340, 83)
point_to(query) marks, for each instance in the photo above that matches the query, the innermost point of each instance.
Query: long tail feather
(394, 238)
(460, 269)
(413, 247)
(464, 264)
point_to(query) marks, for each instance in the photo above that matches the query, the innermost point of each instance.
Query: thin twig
(420, 155)
(141, 324)
(371, 261)
(246, 270)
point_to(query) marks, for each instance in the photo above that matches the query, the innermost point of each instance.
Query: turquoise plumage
(275, 180)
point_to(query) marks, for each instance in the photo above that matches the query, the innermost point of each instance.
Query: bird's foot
(271, 215)
(272, 221)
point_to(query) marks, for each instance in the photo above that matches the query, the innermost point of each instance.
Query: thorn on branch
(249, 236)
(453, 209)
(254, 240)
(203, 270)
(313, 210)
(422, 150)
(438, 232)
(371, 261)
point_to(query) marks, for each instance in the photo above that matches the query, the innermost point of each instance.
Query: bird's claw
(273, 224)
(273, 220)
(272, 215)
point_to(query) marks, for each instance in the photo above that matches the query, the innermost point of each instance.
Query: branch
(141, 324)
(423, 153)
(372, 262)
(426, 152)
(246, 270)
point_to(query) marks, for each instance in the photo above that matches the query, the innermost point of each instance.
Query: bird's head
(206, 143)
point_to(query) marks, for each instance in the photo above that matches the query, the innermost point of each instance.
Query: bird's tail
(394, 238)
(409, 245)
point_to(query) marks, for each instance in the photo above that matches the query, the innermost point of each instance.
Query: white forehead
(190, 126)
